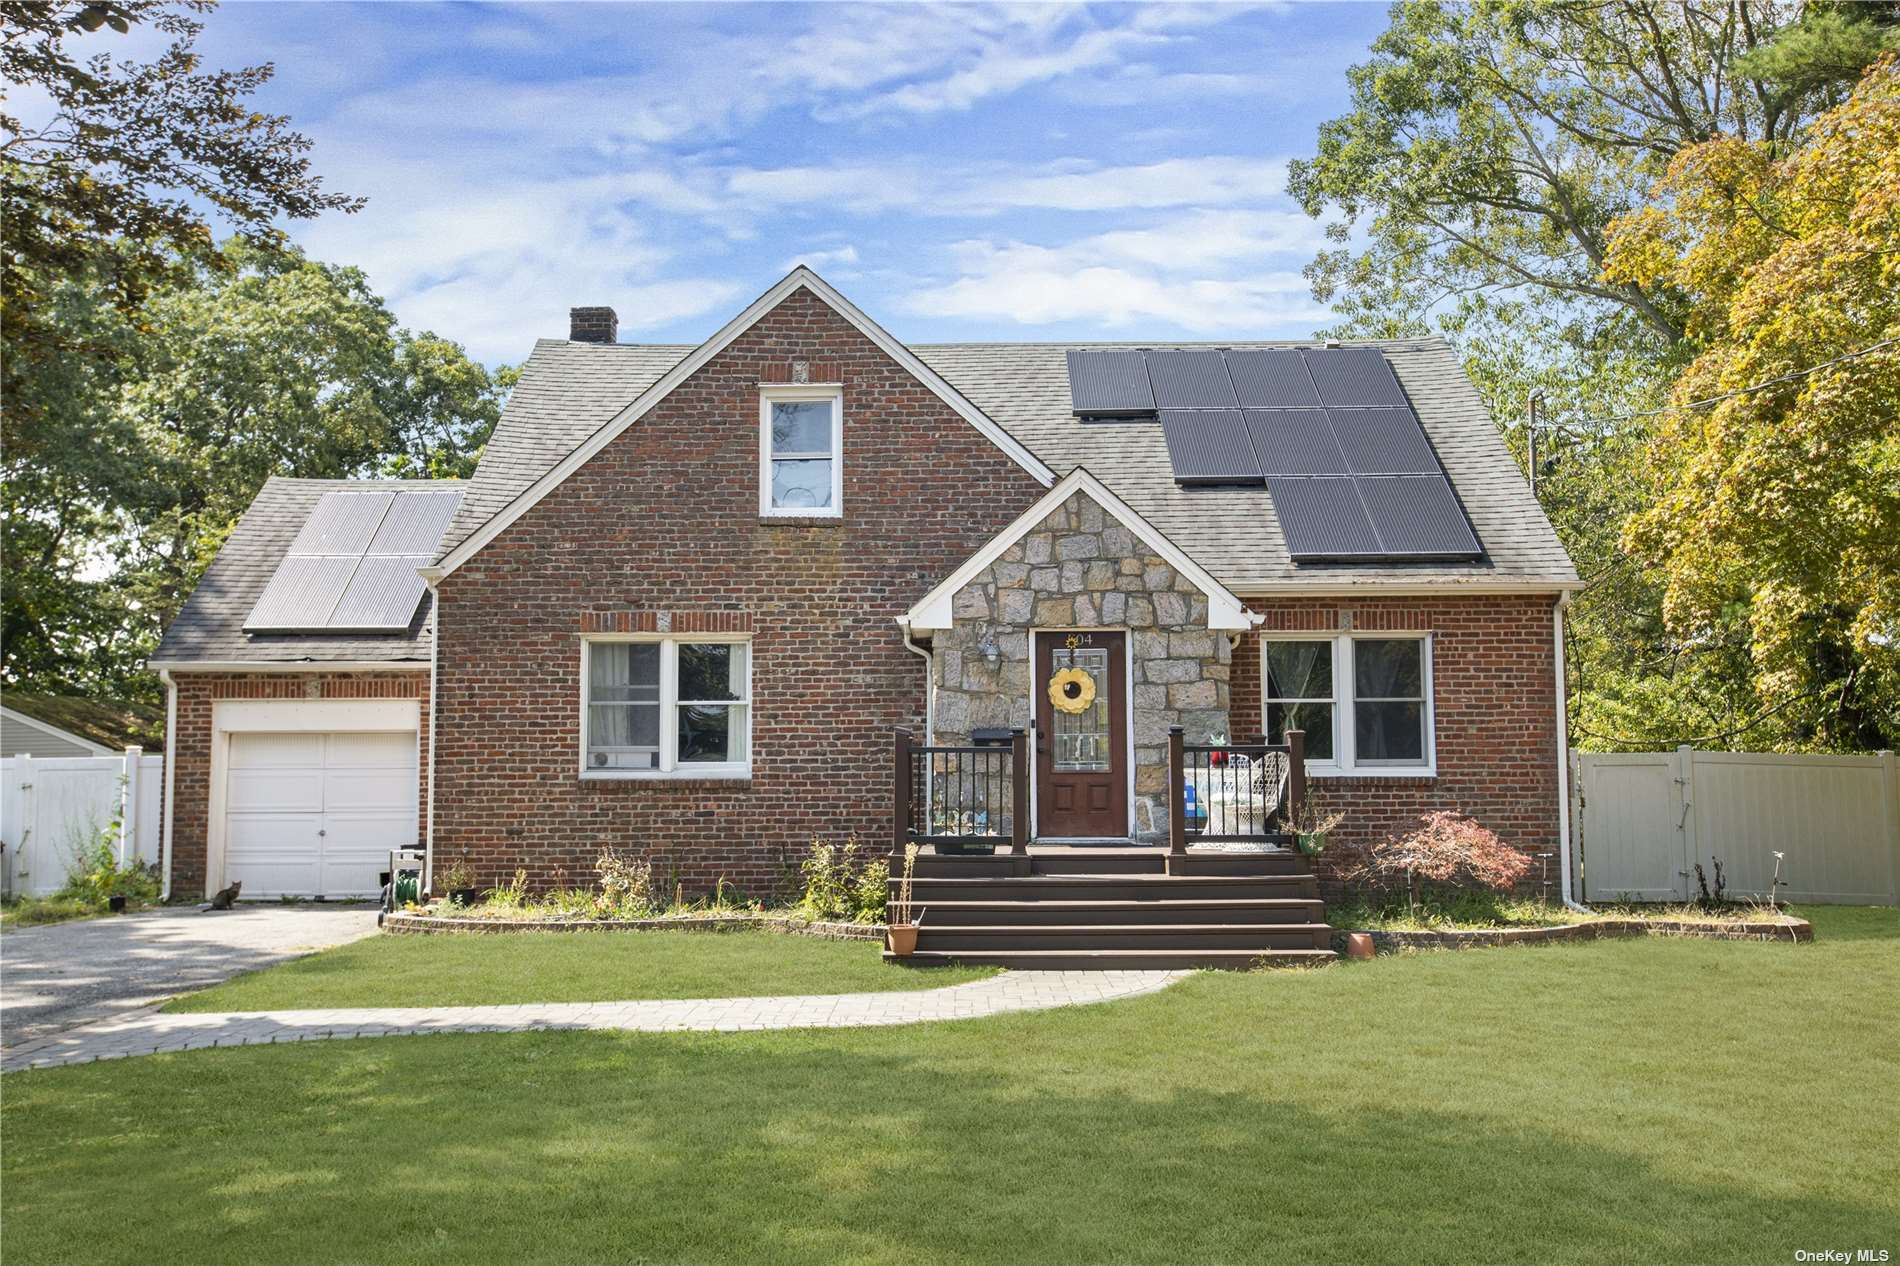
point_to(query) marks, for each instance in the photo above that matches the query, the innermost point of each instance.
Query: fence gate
(1634, 819)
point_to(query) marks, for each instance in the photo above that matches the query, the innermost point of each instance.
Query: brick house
(692, 593)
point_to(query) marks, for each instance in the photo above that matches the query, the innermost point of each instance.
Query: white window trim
(819, 391)
(670, 769)
(1345, 763)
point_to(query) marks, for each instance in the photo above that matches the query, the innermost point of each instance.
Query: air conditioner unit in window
(623, 758)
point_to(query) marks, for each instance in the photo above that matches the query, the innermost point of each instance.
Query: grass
(499, 968)
(1658, 1099)
(26, 912)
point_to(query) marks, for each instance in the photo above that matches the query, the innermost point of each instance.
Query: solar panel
(1418, 516)
(1322, 518)
(1190, 380)
(1209, 446)
(1271, 378)
(1353, 378)
(383, 594)
(415, 523)
(1383, 442)
(1109, 384)
(352, 566)
(1295, 442)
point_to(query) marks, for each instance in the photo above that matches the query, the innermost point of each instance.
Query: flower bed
(435, 920)
(1766, 928)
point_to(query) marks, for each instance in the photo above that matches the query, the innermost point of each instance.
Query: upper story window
(1364, 701)
(801, 452)
(666, 706)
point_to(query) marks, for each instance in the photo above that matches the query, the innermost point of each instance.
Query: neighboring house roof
(934, 611)
(800, 278)
(570, 390)
(210, 629)
(93, 727)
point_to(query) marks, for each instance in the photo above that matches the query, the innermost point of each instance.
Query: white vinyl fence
(1647, 819)
(51, 808)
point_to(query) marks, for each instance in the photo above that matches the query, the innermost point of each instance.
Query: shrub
(95, 875)
(513, 894)
(626, 885)
(843, 882)
(1447, 849)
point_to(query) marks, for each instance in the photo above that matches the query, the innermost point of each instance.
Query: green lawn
(476, 969)
(1656, 1100)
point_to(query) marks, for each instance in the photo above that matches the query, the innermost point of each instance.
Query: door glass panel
(1082, 738)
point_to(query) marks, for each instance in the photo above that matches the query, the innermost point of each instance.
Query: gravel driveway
(55, 977)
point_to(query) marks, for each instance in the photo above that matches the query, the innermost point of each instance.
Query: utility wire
(1739, 391)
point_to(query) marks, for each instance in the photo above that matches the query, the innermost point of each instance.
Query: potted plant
(904, 923)
(1310, 830)
(458, 881)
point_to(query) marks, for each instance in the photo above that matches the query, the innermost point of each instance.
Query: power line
(1739, 391)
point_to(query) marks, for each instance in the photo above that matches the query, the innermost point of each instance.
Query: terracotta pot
(1359, 945)
(903, 939)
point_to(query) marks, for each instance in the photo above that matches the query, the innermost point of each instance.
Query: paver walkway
(149, 1032)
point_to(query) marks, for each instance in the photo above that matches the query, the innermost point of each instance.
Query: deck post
(900, 793)
(1295, 778)
(1019, 791)
(1177, 809)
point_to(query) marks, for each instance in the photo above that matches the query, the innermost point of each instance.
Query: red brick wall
(1493, 679)
(666, 519)
(189, 747)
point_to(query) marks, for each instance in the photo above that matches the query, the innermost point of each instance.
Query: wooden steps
(1120, 908)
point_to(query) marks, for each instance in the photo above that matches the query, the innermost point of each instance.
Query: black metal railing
(953, 795)
(1247, 792)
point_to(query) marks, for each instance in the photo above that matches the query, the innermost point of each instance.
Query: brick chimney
(592, 325)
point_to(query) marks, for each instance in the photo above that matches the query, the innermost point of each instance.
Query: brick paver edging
(426, 924)
(1784, 929)
(149, 1033)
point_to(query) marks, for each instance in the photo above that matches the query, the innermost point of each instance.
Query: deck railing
(950, 795)
(1247, 792)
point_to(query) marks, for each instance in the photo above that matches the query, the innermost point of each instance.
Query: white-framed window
(666, 707)
(801, 452)
(1364, 700)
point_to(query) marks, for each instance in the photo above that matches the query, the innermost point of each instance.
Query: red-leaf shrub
(1448, 848)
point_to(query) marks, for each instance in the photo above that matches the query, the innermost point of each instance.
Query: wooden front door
(1082, 757)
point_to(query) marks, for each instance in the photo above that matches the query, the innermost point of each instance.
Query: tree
(1490, 144)
(109, 183)
(264, 363)
(1780, 506)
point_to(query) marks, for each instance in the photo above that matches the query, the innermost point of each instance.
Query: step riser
(1055, 888)
(1161, 960)
(1154, 862)
(952, 940)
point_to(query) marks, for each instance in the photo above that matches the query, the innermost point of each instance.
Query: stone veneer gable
(1081, 568)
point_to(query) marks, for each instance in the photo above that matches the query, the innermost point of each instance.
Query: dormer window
(801, 447)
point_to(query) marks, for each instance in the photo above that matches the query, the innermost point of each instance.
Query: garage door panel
(376, 788)
(265, 751)
(272, 854)
(269, 790)
(371, 751)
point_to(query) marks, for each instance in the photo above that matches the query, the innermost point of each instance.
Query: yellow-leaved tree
(1781, 505)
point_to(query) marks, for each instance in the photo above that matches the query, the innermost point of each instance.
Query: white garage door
(315, 815)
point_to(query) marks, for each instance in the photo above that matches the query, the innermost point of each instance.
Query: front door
(1081, 735)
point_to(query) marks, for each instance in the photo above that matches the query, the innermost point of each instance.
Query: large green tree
(259, 362)
(1778, 506)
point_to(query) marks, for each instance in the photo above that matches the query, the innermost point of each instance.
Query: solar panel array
(1328, 430)
(352, 567)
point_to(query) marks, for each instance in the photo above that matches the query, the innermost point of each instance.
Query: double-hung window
(1364, 701)
(801, 452)
(656, 707)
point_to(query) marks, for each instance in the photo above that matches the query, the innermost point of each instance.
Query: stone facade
(1080, 568)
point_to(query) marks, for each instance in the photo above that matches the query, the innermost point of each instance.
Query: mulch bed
(1785, 928)
(405, 923)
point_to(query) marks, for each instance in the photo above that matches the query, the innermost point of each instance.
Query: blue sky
(983, 173)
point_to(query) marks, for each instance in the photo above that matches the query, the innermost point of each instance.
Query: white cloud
(1205, 274)
(819, 260)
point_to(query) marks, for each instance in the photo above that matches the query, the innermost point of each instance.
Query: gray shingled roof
(569, 390)
(211, 626)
